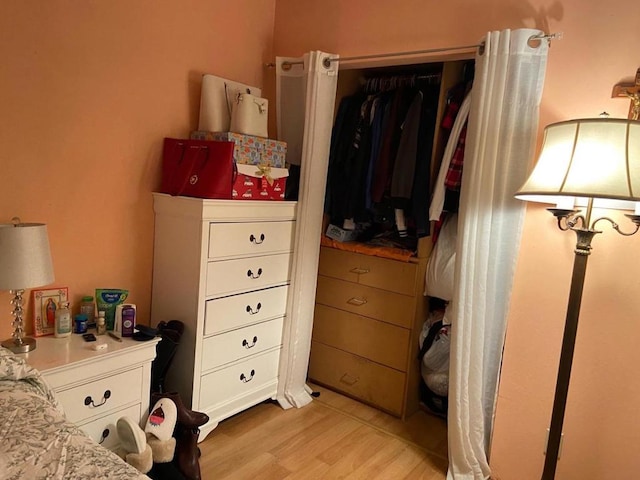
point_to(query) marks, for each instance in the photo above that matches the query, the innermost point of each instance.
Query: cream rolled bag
(216, 102)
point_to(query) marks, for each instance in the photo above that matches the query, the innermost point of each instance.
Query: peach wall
(87, 92)
(598, 50)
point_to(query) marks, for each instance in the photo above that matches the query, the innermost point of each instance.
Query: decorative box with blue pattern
(250, 150)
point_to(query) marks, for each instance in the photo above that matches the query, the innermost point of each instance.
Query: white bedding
(37, 441)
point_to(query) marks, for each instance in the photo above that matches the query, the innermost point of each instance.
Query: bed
(36, 439)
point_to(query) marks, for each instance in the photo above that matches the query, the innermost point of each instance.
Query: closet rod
(327, 61)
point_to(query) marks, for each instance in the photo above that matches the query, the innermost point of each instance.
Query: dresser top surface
(223, 210)
(52, 352)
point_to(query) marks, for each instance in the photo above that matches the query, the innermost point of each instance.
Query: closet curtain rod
(327, 60)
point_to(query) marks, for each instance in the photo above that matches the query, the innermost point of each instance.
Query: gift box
(259, 182)
(250, 150)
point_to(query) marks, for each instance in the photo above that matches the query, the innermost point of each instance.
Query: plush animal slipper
(133, 445)
(162, 450)
(143, 462)
(159, 429)
(132, 438)
(162, 419)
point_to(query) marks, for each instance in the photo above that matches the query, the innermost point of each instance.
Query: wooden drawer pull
(359, 271)
(105, 434)
(251, 311)
(253, 239)
(246, 345)
(349, 379)
(250, 274)
(247, 379)
(89, 401)
(358, 302)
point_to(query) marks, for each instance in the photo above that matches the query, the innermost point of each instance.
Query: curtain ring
(481, 48)
(326, 62)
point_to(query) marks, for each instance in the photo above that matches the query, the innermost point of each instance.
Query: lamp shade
(596, 158)
(25, 257)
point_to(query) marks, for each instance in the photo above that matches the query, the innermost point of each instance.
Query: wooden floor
(332, 438)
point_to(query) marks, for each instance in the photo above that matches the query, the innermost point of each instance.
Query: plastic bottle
(81, 323)
(63, 324)
(88, 308)
(101, 325)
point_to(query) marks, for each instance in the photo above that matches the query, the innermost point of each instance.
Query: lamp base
(27, 345)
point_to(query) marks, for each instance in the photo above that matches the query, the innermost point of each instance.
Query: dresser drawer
(101, 396)
(237, 380)
(378, 341)
(234, 276)
(367, 301)
(384, 273)
(251, 238)
(368, 381)
(103, 430)
(228, 313)
(231, 346)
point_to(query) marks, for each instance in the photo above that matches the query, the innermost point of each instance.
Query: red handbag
(198, 168)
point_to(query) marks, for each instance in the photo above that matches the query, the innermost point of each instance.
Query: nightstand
(96, 388)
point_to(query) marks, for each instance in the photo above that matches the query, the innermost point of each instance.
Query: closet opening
(391, 128)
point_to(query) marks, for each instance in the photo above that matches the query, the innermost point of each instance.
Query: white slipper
(143, 462)
(163, 450)
(132, 438)
(162, 419)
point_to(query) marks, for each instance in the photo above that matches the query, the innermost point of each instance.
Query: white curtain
(503, 123)
(306, 93)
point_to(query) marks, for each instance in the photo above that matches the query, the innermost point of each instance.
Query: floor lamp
(592, 163)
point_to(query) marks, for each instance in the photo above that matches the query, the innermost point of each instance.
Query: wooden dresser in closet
(368, 316)
(370, 310)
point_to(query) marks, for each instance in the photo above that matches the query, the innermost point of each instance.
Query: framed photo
(45, 304)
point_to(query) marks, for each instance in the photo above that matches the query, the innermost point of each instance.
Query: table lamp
(25, 262)
(593, 163)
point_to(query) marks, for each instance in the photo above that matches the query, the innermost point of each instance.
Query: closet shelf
(374, 250)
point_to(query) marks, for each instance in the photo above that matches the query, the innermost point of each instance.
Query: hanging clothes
(437, 202)
(381, 154)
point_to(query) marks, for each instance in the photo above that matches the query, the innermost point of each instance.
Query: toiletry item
(125, 320)
(88, 308)
(108, 299)
(81, 323)
(101, 325)
(63, 324)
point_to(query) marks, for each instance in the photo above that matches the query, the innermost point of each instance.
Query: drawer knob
(89, 401)
(246, 345)
(250, 274)
(358, 302)
(251, 311)
(246, 379)
(254, 240)
(103, 437)
(359, 271)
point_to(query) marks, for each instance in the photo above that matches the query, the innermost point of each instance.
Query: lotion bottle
(63, 324)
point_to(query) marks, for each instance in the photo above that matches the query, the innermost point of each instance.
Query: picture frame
(45, 303)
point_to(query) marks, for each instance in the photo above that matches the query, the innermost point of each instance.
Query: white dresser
(222, 267)
(96, 388)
